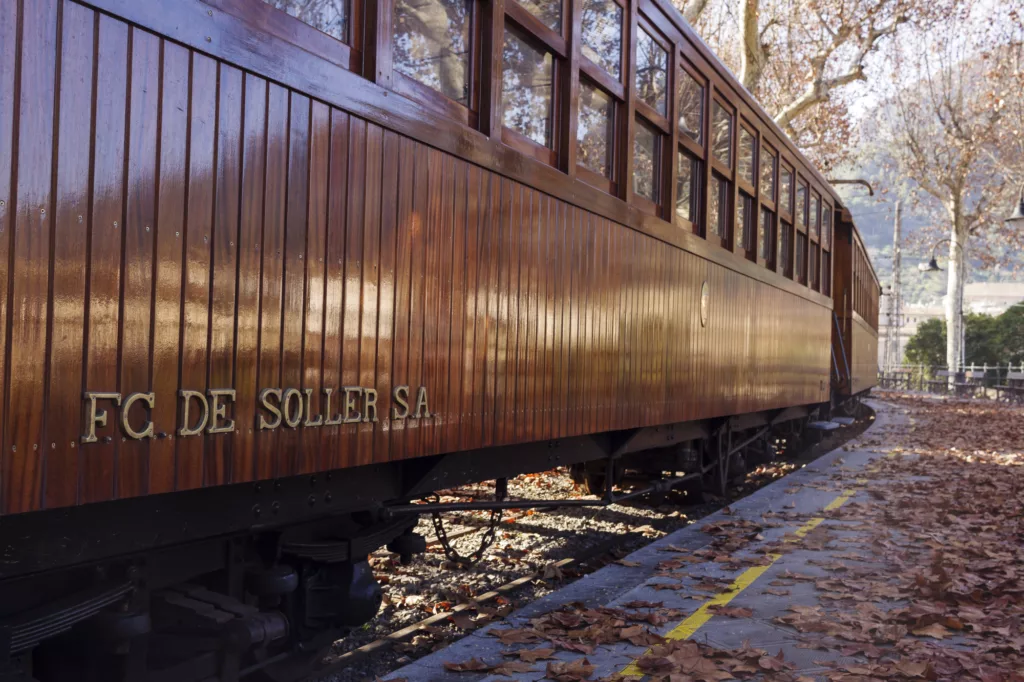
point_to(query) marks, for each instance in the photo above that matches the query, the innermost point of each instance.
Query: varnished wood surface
(176, 222)
(863, 355)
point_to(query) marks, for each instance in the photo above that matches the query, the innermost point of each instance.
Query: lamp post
(933, 266)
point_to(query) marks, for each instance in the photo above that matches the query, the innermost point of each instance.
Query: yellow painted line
(839, 501)
(702, 615)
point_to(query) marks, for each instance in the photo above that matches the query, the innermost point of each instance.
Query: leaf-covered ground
(920, 576)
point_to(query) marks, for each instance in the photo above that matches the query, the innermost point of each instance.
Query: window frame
(595, 72)
(662, 125)
(741, 182)
(608, 184)
(727, 171)
(349, 55)
(521, 21)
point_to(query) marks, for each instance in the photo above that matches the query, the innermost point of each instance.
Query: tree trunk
(954, 300)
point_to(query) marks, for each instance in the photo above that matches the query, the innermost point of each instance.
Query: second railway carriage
(271, 271)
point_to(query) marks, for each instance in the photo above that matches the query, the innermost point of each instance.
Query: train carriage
(274, 270)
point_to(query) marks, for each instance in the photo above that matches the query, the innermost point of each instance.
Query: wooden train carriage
(260, 268)
(857, 295)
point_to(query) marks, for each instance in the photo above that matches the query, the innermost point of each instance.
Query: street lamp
(1016, 219)
(933, 266)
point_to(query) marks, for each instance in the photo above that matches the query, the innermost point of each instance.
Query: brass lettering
(97, 417)
(401, 397)
(187, 397)
(351, 393)
(147, 428)
(329, 420)
(291, 418)
(422, 407)
(369, 404)
(265, 396)
(309, 410)
(218, 410)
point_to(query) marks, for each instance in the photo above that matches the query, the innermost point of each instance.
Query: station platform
(830, 573)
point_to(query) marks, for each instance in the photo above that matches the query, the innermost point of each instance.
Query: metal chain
(485, 542)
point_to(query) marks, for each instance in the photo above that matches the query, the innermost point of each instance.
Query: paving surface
(750, 578)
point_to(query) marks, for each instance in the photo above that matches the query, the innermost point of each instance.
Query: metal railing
(981, 380)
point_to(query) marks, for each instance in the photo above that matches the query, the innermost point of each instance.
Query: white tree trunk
(954, 300)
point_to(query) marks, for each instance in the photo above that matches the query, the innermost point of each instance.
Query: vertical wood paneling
(293, 313)
(337, 199)
(167, 278)
(218, 231)
(224, 270)
(250, 240)
(74, 134)
(26, 337)
(351, 335)
(369, 282)
(137, 284)
(312, 438)
(268, 459)
(196, 276)
(106, 231)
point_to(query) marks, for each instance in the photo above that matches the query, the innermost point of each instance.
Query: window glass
(718, 215)
(764, 234)
(645, 162)
(431, 44)
(785, 247)
(815, 215)
(651, 72)
(329, 16)
(801, 205)
(813, 277)
(548, 11)
(801, 256)
(595, 133)
(602, 34)
(742, 230)
(826, 275)
(786, 189)
(826, 227)
(767, 174)
(526, 89)
(686, 195)
(691, 107)
(746, 157)
(721, 134)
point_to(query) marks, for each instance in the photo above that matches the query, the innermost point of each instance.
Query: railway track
(372, 658)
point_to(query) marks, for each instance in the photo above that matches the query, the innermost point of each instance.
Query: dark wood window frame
(466, 114)
(610, 184)
(662, 125)
(686, 144)
(742, 182)
(533, 31)
(279, 24)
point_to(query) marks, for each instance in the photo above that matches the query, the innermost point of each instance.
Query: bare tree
(796, 55)
(946, 131)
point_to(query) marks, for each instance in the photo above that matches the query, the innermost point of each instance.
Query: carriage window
(785, 249)
(801, 257)
(718, 215)
(815, 216)
(826, 227)
(548, 11)
(767, 174)
(814, 258)
(602, 34)
(596, 130)
(526, 89)
(826, 274)
(786, 190)
(687, 179)
(766, 236)
(431, 44)
(801, 205)
(746, 157)
(721, 133)
(691, 107)
(651, 72)
(745, 222)
(646, 162)
(329, 16)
